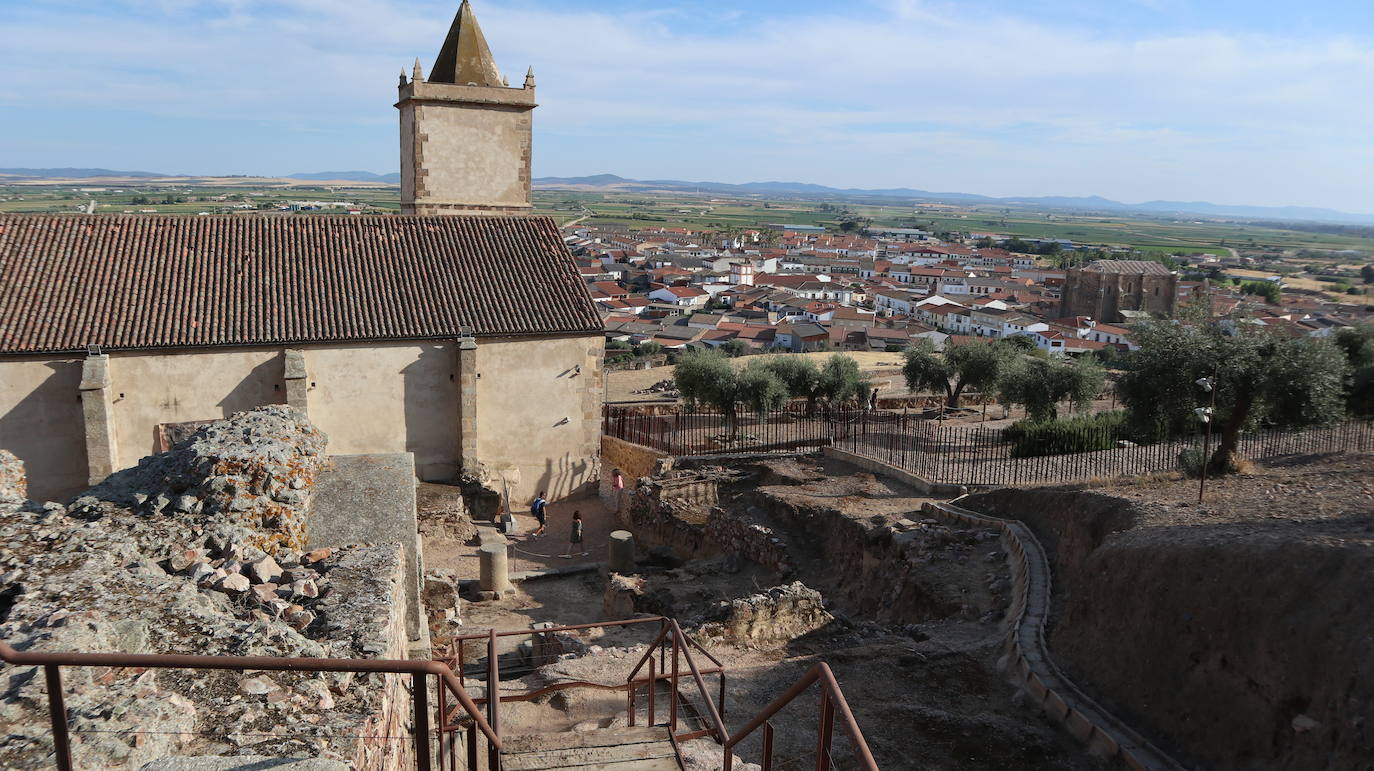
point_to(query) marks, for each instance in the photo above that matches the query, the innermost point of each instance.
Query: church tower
(465, 133)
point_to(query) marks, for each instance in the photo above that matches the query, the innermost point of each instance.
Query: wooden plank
(588, 757)
(609, 737)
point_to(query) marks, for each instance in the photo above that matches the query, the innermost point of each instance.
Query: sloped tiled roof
(141, 281)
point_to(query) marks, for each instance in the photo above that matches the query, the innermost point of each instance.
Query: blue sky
(1258, 102)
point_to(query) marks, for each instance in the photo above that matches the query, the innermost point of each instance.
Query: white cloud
(917, 94)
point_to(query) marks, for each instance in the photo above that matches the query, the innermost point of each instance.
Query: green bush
(1058, 437)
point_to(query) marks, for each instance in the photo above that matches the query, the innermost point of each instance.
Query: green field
(1149, 234)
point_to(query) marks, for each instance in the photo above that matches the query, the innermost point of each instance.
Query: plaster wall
(538, 420)
(465, 158)
(148, 389)
(387, 398)
(41, 423)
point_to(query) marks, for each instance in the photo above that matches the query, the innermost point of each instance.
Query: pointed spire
(529, 77)
(465, 58)
(505, 81)
(403, 77)
(419, 75)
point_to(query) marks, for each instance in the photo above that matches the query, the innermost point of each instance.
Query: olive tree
(1040, 384)
(735, 347)
(841, 380)
(708, 377)
(1357, 343)
(968, 365)
(1260, 379)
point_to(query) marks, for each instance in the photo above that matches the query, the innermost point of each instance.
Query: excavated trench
(1235, 644)
(917, 606)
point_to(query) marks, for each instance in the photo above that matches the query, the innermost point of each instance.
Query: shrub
(1088, 433)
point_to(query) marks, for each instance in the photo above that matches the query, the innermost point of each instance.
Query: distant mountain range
(807, 190)
(350, 176)
(342, 176)
(1089, 203)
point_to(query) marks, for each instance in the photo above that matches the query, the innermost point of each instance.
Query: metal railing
(955, 453)
(483, 715)
(669, 659)
(420, 672)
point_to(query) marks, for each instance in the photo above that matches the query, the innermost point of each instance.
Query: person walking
(540, 511)
(575, 536)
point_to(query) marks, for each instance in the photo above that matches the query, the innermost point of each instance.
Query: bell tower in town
(465, 133)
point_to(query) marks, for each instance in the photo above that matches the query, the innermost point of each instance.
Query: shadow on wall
(46, 431)
(431, 412)
(260, 387)
(570, 477)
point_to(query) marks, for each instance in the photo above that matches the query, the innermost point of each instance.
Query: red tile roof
(145, 281)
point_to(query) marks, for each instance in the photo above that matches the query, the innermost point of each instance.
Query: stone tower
(465, 133)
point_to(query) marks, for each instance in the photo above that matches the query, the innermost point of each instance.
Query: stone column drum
(494, 575)
(621, 557)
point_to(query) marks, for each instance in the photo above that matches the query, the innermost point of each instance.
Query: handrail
(649, 653)
(711, 710)
(266, 663)
(820, 673)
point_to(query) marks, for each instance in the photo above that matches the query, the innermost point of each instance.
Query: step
(242, 763)
(609, 749)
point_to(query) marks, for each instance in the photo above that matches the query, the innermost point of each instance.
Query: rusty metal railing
(670, 638)
(420, 671)
(832, 705)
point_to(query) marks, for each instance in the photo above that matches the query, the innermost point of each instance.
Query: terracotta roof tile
(140, 281)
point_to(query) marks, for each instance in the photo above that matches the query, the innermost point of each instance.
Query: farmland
(637, 209)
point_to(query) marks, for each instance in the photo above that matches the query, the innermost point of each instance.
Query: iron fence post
(57, 710)
(419, 685)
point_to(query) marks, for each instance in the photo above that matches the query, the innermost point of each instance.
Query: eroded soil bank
(1236, 634)
(909, 623)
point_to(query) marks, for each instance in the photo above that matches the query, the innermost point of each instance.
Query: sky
(1263, 102)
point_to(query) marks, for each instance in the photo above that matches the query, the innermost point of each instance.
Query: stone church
(459, 331)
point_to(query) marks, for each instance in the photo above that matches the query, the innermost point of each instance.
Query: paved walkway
(538, 553)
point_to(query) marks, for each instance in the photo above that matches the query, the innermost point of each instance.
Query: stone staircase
(608, 749)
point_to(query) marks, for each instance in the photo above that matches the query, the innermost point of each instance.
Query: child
(538, 510)
(575, 537)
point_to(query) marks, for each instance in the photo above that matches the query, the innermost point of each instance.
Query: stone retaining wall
(633, 460)
(1027, 660)
(386, 743)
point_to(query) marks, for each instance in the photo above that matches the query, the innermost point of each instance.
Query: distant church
(469, 341)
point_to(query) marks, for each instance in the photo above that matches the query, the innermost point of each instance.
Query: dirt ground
(1297, 489)
(1234, 634)
(924, 687)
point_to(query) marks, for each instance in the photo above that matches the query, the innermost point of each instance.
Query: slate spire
(465, 58)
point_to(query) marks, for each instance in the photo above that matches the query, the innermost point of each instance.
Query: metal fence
(943, 451)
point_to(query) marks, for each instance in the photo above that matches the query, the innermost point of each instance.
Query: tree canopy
(1357, 343)
(1040, 384)
(968, 365)
(1260, 379)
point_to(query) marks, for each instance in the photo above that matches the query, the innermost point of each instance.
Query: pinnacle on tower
(403, 76)
(419, 75)
(465, 58)
(529, 77)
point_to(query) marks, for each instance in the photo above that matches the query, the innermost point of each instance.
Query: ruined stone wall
(386, 744)
(633, 460)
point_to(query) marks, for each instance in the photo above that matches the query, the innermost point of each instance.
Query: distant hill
(77, 173)
(1088, 203)
(350, 176)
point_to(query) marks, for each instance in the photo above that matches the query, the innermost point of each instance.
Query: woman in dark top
(575, 536)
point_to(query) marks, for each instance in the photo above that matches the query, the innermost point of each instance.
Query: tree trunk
(954, 393)
(1223, 461)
